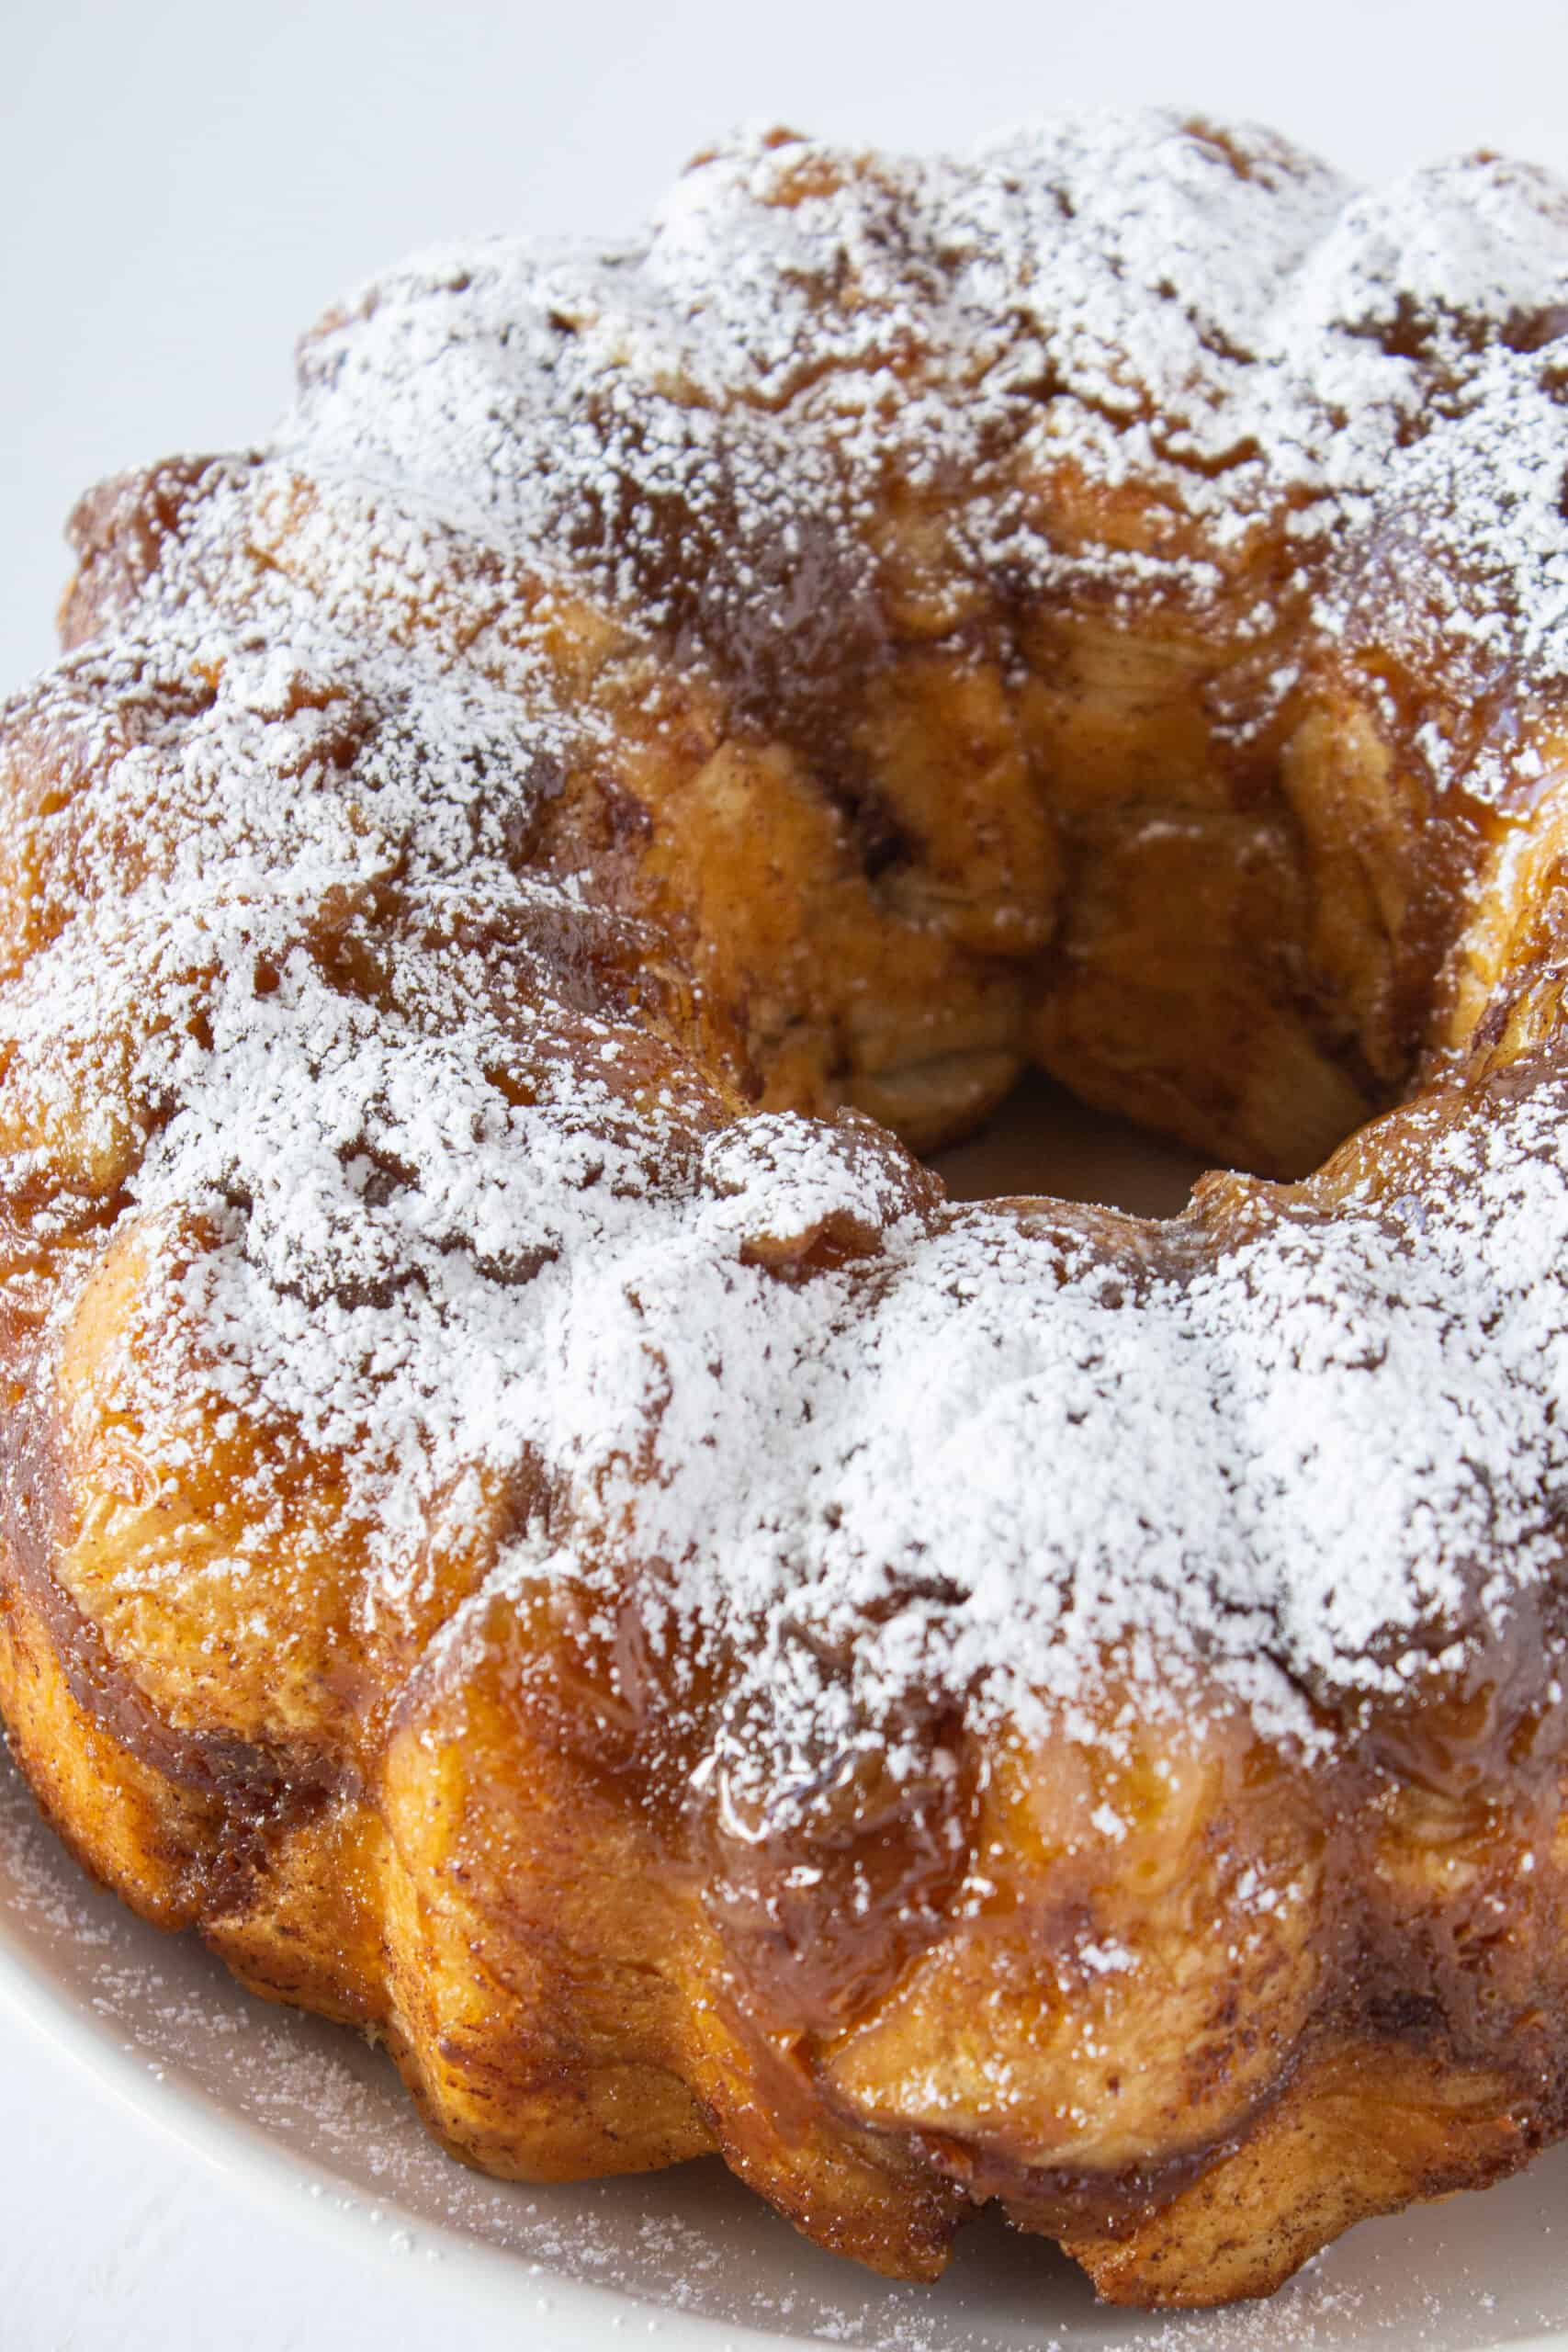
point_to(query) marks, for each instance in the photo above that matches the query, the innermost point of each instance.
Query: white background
(182, 187)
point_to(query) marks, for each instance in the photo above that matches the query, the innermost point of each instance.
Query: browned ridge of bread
(525, 1515)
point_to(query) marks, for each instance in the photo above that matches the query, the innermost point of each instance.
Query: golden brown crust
(1192, 1954)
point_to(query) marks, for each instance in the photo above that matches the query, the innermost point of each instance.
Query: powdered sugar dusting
(1206, 314)
(286, 981)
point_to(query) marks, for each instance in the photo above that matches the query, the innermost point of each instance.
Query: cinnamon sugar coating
(524, 1512)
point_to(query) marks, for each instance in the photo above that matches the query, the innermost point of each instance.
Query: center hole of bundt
(1043, 1139)
(1229, 933)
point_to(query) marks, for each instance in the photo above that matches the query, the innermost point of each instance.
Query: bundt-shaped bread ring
(527, 1516)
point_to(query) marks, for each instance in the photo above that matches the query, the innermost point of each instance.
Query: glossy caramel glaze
(528, 1518)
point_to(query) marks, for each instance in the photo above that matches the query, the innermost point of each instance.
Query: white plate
(304, 2113)
(301, 2111)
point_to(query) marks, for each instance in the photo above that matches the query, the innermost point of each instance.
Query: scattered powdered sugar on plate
(159, 2017)
(279, 964)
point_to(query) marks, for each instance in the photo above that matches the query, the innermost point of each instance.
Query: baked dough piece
(527, 1517)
